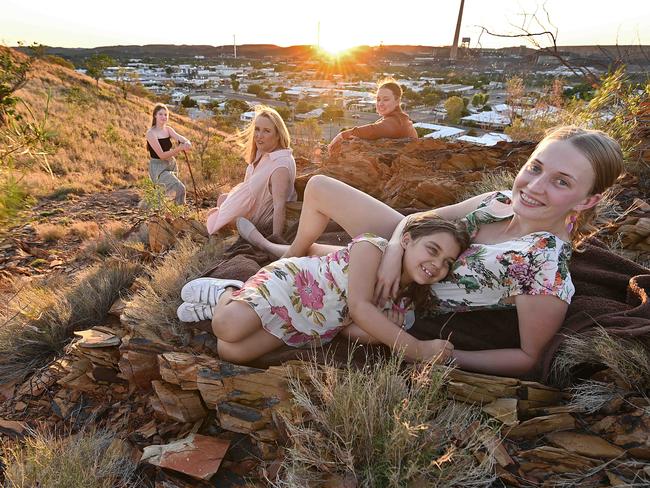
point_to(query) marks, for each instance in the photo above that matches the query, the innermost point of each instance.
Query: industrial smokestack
(454, 47)
(234, 46)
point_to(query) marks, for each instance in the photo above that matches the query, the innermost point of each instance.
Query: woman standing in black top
(162, 166)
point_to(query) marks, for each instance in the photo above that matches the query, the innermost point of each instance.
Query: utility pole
(234, 45)
(454, 47)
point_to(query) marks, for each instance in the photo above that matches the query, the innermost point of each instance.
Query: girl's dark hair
(423, 225)
(157, 108)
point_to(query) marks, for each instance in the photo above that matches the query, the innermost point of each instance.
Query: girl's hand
(388, 274)
(395, 317)
(438, 350)
(186, 146)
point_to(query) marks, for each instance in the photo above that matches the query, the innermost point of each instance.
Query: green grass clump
(89, 459)
(40, 320)
(385, 425)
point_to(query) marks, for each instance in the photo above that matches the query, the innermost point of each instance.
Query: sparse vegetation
(384, 425)
(41, 318)
(90, 458)
(629, 359)
(153, 307)
(490, 181)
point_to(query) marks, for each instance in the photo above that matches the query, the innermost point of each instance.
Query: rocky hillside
(95, 135)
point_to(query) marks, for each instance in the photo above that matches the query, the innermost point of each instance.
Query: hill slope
(97, 137)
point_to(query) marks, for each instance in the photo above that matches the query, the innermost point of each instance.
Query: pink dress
(252, 197)
(304, 300)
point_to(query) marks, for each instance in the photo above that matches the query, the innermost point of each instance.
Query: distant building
(489, 119)
(247, 116)
(489, 139)
(440, 131)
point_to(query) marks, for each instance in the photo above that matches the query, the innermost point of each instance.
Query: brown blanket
(611, 291)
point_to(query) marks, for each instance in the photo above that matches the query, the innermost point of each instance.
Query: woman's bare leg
(355, 211)
(278, 250)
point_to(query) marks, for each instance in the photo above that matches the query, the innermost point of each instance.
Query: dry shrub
(628, 358)
(88, 459)
(84, 230)
(490, 181)
(51, 232)
(41, 319)
(153, 307)
(385, 425)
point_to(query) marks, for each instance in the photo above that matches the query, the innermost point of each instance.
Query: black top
(165, 145)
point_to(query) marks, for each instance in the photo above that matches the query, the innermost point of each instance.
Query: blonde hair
(157, 108)
(247, 136)
(606, 159)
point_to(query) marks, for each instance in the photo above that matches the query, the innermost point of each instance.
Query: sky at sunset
(287, 22)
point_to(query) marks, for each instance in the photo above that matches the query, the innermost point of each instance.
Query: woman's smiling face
(386, 101)
(557, 180)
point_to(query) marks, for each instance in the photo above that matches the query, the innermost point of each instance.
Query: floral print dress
(489, 276)
(303, 300)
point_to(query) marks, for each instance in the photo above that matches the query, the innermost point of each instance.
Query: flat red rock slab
(198, 456)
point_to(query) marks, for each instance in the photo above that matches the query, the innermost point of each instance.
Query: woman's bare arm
(153, 142)
(280, 190)
(540, 317)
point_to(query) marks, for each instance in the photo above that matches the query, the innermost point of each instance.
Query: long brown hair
(157, 108)
(418, 226)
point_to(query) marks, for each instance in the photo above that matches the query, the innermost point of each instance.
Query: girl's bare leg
(232, 320)
(252, 347)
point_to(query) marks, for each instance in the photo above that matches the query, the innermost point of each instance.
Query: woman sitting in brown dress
(393, 124)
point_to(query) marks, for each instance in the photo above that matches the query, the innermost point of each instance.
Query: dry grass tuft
(628, 358)
(41, 319)
(385, 425)
(89, 459)
(84, 229)
(490, 181)
(591, 396)
(154, 306)
(51, 232)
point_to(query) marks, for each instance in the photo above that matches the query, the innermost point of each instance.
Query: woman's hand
(388, 274)
(437, 350)
(186, 146)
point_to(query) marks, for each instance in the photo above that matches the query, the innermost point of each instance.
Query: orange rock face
(422, 173)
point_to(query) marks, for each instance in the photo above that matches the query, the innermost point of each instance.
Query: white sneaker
(246, 228)
(206, 290)
(194, 312)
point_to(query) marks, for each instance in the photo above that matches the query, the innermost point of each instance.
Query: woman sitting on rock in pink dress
(269, 181)
(308, 300)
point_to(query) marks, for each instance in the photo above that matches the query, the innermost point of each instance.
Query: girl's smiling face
(429, 258)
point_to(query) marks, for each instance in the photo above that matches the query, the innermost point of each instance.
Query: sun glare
(335, 48)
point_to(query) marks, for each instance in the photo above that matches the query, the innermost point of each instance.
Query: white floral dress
(489, 276)
(303, 300)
